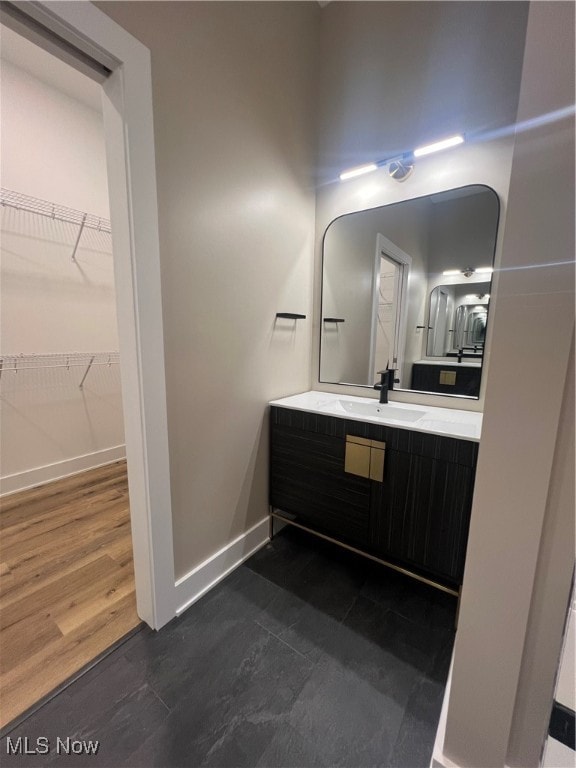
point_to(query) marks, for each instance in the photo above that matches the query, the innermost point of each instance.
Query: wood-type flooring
(66, 581)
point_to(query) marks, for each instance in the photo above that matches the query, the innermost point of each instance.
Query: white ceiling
(45, 67)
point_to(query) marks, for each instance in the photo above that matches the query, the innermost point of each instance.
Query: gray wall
(233, 90)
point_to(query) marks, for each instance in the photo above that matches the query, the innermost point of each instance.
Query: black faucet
(386, 382)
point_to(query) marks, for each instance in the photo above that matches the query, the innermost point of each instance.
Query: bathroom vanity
(393, 481)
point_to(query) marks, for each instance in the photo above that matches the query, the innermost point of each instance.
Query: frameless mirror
(408, 285)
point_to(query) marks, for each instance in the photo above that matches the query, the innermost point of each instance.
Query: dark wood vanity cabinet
(421, 512)
(307, 478)
(417, 517)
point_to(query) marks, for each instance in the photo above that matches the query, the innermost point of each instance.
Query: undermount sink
(382, 411)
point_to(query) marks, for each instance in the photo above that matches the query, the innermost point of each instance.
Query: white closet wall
(53, 149)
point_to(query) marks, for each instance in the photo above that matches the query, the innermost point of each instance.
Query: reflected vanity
(408, 285)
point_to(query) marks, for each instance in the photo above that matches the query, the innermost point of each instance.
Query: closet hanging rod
(21, 202)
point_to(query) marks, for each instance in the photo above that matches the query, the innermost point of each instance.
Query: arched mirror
(408, 285)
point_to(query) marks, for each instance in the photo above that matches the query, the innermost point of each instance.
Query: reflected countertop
(449, 422)
(466, 363)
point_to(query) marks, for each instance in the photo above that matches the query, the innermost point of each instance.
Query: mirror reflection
(408, 286)
(457, 319)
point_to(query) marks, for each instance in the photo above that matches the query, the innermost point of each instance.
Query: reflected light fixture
(468, 271)
(401, 166)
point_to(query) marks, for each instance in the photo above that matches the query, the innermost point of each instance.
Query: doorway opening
(81, 33)
(112, 53)
(68, 589)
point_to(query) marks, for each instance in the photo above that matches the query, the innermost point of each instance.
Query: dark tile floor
(306, 655)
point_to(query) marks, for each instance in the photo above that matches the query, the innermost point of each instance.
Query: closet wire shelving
(21, 202)
(14, 364)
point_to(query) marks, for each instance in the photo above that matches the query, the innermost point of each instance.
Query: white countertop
(448, 422)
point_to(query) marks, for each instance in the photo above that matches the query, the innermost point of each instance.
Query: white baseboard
(199, 580)
(60, 469)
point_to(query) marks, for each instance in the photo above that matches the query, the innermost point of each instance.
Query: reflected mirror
(408, 285)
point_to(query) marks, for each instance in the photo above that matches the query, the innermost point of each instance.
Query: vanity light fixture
(484, 271)
(360, 170)
(401, 166)
(428, 149)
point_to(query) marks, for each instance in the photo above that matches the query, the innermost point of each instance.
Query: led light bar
(453, 141)
(360, 170)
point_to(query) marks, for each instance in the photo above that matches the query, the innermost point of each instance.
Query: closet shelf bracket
(78, 236)
(86, 372)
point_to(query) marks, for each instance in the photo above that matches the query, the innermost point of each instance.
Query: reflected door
(438, 324)
(387, 315)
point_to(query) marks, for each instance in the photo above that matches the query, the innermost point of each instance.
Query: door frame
(130, 158)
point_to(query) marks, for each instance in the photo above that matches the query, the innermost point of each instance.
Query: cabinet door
(421, 513)
(307, 480)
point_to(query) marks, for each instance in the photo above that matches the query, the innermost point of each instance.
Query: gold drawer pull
(364, 458)
(448, 378)
(357, 459)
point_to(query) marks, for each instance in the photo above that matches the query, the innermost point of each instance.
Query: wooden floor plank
(40, 601)
(25, 638)
(18, 506)
(67, 582)
(52, 520)
(44, 567)
(104, 517)
(70, 615)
